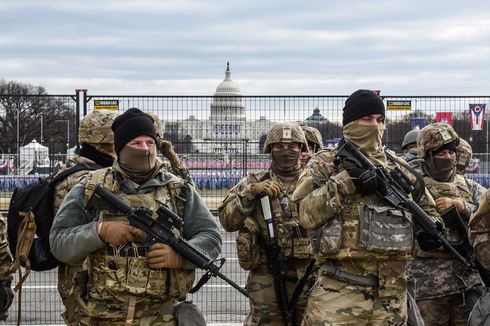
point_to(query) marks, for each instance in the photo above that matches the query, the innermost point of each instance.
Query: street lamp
(67, 133)
(17, 160)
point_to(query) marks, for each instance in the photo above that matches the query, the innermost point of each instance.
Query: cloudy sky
(177, 47)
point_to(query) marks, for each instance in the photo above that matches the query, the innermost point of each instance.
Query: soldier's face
(372, 120)
(278, 147)
(446, 154)
(142, 142)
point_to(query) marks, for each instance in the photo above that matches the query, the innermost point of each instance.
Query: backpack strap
(79, 167)
(27, 231)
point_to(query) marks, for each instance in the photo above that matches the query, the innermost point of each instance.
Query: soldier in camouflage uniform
(129, 281)
(174, 164)
(315, 143)
(479, 230)
(464, 153)
(241, 211)
(409, 145)
(362, 278)
(445, 289)
(6, 293)
(97, 147)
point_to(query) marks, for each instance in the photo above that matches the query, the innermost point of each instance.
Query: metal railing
(219, 138)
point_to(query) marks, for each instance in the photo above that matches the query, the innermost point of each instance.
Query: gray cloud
(275, 47)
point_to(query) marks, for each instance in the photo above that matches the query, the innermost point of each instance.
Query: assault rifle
(453, 219)
(397, 188)
(276, 262)
(160, 230)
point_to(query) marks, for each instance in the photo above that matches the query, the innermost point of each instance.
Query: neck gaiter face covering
(441, 169)
(368, 139)
(137, 163)
(286, 162)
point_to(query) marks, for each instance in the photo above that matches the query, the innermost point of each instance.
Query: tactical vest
(437, 272)
(365, 229)
(291, 237)
(122, 275)
(457, 189)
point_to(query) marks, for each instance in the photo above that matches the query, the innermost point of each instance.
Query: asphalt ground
(220, 303)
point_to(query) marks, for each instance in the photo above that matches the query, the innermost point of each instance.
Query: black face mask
(286, 162)
(441, 169)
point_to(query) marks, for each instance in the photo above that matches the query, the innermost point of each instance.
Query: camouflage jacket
(332, 209)
(118, 274)
(236, 209)
(5, 258)
(436, 272)
(65, 185)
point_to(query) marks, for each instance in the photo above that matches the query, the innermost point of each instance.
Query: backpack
(29, 220)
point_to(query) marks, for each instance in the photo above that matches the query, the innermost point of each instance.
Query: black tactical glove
(428, 242)
(367, 182)
(6, 298)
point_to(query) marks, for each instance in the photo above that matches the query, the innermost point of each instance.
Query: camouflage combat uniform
(362, 278)
(5, 258)
(174, 164)
(95, 131)
(443, 286)
(479, 230)
(119, 286)
(5, 273)
(237, 213)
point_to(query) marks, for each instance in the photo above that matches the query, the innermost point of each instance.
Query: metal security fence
(220, 138)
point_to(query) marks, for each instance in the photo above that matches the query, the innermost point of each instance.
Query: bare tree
(26, 111)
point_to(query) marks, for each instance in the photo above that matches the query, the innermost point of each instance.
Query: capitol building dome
(227, 87)
(227, 101)
(227, 130)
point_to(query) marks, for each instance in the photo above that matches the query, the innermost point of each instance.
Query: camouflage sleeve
(320, 191)
(477, 191)
(236, 207)
(5, 258)
(179, 168)
(479, 224)
(427, 203)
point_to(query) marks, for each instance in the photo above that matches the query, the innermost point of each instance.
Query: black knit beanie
(362, 103)
(131, 124)
(452, 146)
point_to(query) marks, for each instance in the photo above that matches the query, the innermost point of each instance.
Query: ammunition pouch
(327, 239)
(247, 245)
(384, 228)
(127, 273)
(77, 298)
(291, 237)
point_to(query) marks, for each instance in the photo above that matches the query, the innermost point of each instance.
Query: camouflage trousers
(447, 310)
(160, 320)
(113, 314)
(336, 302)
(263, 304)
(65, 283)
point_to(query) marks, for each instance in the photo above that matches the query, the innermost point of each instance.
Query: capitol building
(227, 130)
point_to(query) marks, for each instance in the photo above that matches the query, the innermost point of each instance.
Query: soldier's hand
(167, 149)
(119, 233)
(427, 242)
(268, 187)
(6, 298)
(444, 203)
(366, 181)
(163, 256)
